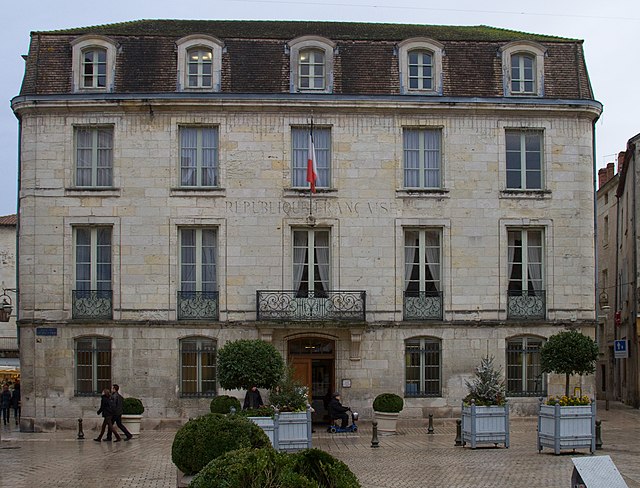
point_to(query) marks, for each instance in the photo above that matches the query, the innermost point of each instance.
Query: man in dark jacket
(117, 403)
(252, 399)
(338, 411)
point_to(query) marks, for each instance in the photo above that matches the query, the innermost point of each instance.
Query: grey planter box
(287, 431)
(485, 425)
(567, 427)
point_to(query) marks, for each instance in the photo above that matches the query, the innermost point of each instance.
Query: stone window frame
(523, 169)
(303, 43)
(421, 44)
(199, 340)
(320, 185)
(524, 364)
(94, 163)
(420, 393)
(199, 149)
(88, 42)
(217, 48)
(523, 47)
(97, 384)
(423, 187)
(198, 246)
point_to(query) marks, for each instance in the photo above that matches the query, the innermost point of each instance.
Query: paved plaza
(413, 458)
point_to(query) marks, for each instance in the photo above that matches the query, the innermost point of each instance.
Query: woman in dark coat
(252, 399)
(16, 402)
(106, 409)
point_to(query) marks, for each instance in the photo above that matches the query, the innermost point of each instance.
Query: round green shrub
(132, 406)
(223, 404)
(245, 363)
(388, 403)
(207, 437)
(322, 468)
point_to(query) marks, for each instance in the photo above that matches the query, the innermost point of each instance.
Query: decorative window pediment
(199, 63)
(523, 68)
(93, 63)
(420, 66)
(311, 64)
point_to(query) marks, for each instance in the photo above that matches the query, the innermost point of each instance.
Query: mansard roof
(256, 59)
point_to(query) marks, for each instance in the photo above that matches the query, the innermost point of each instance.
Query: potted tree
(132, 410)
(386, 409)
(567, 421)
(485, 412)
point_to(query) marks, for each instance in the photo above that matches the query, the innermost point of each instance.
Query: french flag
(312, 168)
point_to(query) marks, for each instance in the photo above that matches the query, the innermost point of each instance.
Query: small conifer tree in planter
(485, 413)
(132, 410)
(387, 408)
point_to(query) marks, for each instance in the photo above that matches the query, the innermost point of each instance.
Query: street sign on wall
(621, 349)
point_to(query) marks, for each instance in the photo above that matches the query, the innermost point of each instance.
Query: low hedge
(388, 403)
(323, 469)
(132, 406)
(210, 436)
(223, 404)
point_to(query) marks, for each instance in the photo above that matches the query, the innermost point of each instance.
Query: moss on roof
(271, 29)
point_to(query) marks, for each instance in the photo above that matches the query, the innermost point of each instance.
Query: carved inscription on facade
(322, 207)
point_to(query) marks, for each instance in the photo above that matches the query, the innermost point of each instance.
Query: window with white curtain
(523, 72)
(92, 258)
(422, 161)
(93, 365)
(524, 159)
(524, 372)
(423, 363)
(526, 265)
(311, 258)
(199, 157)
(300, 137)
(422, 261)
(94, 156)
(198, 256)
(198, 367)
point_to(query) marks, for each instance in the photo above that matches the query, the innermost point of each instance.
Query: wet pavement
(412, 458)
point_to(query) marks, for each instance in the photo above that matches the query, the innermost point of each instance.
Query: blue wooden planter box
(563, 428)
(485, 425)
(287, 431)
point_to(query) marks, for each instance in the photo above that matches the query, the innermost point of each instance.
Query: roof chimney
(621, 156)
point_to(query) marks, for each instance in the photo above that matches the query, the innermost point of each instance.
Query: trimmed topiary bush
(245, 363)
(132, 406)
(322, 468)
(205, 438)
(223, 404)
(388, 403)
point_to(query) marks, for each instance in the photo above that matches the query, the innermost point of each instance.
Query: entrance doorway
(313, 362)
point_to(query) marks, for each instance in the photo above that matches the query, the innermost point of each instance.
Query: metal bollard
(598, 434)
(430, 429)
(458, 432)
(80, 432)
(374, 436)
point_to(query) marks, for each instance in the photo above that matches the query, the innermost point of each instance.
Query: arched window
(523, 68)
(93, 365)
(311, 59)
(199, 67)
(198, 367)
(420, 65)
(420, 69)
(93, 63)
(199, 63)
(423, 367)
(94, 68)
(311, 70)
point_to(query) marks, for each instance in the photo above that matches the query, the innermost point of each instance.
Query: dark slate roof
(255, 60)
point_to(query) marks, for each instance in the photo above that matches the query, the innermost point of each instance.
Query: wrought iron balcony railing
(198, 305)
(526, 305)
(348, 306)
(92, 304)
(422, 305)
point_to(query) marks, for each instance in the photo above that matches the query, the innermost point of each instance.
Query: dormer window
(93, 64)
(199, 63)
(420, 64)
(523, 68)
(311, 59)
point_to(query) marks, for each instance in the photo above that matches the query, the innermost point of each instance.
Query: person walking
(117, 403)
(106, 409)
(252, 399)
(5, 403)
(16, 402)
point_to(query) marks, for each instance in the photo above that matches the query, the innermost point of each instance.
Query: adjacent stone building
(9, 357)
(165, 209)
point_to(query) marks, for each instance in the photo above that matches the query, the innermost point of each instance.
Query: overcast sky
(610, 29)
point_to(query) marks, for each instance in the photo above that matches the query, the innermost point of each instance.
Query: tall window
(422, 158)
(422, 260)
(198, 260)
(420, 64)
(197, 367)
(423, 363)
(311, 69)
(310, 262)
(93, 365)
(524, 159)
(525, 260)
(523, 73)
(524, 373)
(93, 258)
(300, 150)
(199, 67)
(94, 156)
(94, 68)
(199, 156)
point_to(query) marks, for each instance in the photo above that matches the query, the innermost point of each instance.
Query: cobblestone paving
(413, 458)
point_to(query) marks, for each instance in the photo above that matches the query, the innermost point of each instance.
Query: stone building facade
(165, 209)
(9, 357)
